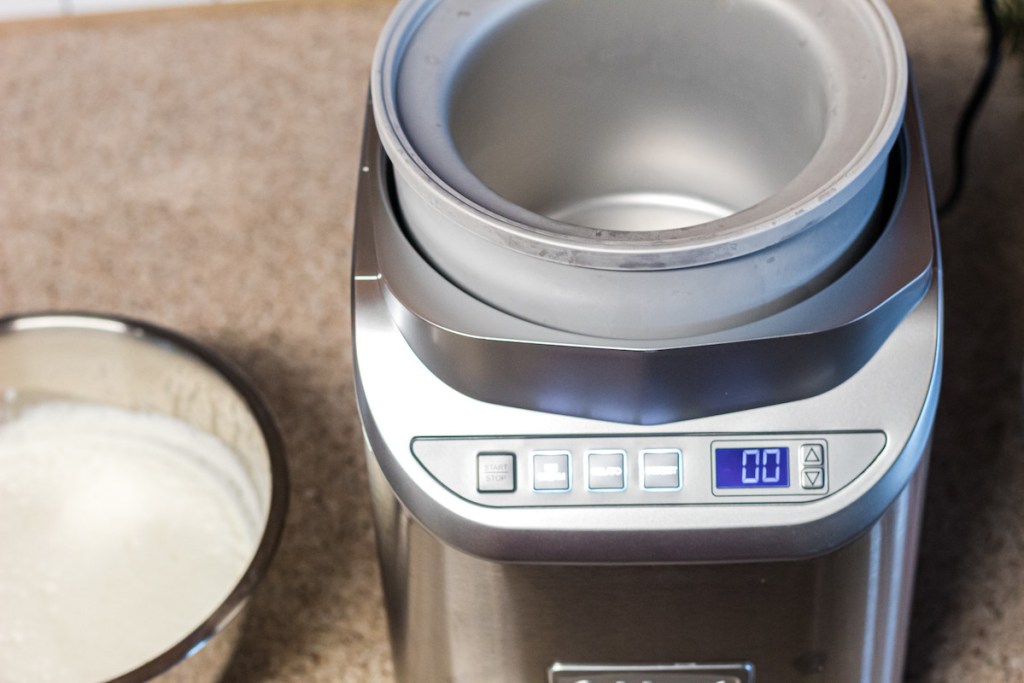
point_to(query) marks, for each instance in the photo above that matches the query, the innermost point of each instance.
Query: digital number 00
(761, 466)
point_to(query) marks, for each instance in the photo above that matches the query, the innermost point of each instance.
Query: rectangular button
(606, 470)
(812, 478)
(662, 468)
(551, 471)
(812, 454)
(495, 472)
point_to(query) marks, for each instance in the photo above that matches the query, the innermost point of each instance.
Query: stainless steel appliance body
(699, 498)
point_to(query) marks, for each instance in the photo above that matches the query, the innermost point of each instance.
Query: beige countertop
(197, 168)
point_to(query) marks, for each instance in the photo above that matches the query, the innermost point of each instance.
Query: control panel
(672, 673)
(647, 469)
(755, 467)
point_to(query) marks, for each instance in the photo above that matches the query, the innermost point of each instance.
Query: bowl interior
(640, 116)
(106, 366)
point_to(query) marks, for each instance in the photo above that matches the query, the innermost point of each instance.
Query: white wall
(35, 9)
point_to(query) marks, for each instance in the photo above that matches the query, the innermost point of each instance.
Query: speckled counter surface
(197, 169)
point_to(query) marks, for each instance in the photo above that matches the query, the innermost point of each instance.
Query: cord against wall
(981, 90)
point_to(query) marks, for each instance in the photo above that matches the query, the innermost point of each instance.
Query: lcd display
(750, 468)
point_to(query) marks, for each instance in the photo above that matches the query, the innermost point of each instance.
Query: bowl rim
(503, 222)
(270, 537)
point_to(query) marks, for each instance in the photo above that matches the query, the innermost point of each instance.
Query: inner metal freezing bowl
(123, 363)
(645, 169)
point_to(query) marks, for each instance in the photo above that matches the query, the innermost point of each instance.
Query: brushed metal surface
(836, 618)
(138, 366)
(403, 396)
(400, 400)
(799, 352)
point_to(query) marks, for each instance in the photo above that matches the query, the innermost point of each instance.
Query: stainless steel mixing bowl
(640, 170)
(134, 365)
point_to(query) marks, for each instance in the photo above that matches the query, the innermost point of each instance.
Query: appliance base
(841, 617)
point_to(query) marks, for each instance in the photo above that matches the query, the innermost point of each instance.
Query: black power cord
(970, 113)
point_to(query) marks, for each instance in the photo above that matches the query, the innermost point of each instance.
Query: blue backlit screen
(751, 468)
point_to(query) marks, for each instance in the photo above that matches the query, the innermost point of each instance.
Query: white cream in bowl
(120, 533)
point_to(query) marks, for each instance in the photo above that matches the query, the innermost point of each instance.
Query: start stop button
(496, 472)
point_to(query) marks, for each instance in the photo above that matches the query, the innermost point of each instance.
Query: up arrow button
(813, 454)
